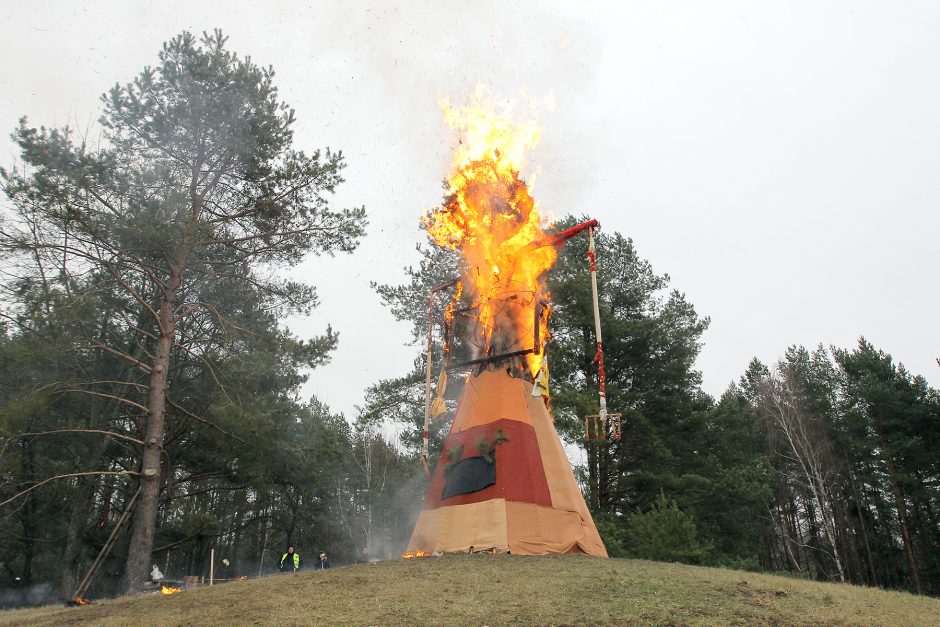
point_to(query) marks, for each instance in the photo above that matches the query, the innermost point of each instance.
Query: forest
(150, 407)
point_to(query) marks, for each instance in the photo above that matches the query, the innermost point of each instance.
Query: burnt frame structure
(540, 308)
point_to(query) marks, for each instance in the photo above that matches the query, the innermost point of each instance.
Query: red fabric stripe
(520, 475)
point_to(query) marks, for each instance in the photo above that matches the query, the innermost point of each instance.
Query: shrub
(665, 533)
(613, 532)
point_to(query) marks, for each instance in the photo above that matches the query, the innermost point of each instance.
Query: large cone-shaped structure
(522, 497)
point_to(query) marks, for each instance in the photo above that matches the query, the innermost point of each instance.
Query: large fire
(492, 219)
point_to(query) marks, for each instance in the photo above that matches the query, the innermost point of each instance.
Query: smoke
(29, 596)
(390, 541)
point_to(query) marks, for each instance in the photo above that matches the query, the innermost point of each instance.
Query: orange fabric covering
(517, 528)
(535, 507)
(457, 528)
(535, 530)
(491, 396)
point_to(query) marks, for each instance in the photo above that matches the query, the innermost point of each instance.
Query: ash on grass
(509, 590)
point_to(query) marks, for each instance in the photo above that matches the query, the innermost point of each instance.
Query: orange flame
(168, 590)
(81, 601)
(492, 219)
(409, 556)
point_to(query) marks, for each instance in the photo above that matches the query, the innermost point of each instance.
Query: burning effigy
(492, 219)
(503, 482)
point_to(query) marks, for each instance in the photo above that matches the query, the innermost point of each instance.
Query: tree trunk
(861, 520)
(935, 551)
(849, 534)
(885, 535)
(901, 509)
(68, 576)
(78, 516)
(794, 534)
(28, 519)
(812, 543)
(145, 516)
(787, 528)
(763, 551)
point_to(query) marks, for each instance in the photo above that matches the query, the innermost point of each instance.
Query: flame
(492, 219)
(81, 601)
(168, 590)
(409, 556)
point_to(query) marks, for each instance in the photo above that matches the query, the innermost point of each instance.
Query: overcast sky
(780, 161)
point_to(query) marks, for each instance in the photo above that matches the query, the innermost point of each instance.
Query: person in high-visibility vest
(290, 561)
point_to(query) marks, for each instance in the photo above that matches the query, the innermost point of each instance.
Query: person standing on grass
(290, 561)
(322, 563)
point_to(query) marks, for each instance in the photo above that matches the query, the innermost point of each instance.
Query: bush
(613, 532)
(665, 533)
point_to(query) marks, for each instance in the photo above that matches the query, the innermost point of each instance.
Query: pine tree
(194, 192)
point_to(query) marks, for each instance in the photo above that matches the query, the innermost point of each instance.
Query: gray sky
(779, 160)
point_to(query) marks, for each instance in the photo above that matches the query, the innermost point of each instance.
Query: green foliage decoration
(486, 446)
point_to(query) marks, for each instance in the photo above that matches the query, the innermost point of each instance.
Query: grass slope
(505, 589)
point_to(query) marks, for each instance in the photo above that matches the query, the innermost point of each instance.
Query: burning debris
(168, 590)
(409, 556)
(77, 602)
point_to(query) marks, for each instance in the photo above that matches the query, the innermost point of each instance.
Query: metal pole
(599, 357)
(211, 566)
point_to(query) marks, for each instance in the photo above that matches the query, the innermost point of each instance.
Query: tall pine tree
(195, 191)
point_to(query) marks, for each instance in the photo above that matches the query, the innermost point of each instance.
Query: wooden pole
(83, 586)
(599, 357)
(427, 388)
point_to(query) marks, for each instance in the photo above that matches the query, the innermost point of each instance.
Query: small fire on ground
(168, 590)
(409, 556)
(78, 601)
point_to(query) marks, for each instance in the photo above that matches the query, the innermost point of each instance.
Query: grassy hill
(504, 589)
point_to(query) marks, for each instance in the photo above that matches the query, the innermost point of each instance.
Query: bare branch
(111, 433)
(114, 397)
(203, 420)
(123, 473)
(137, 362)
(208, 365)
